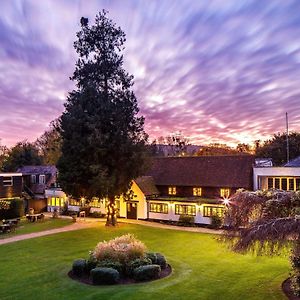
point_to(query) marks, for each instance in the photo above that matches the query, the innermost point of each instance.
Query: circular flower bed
(122, 260)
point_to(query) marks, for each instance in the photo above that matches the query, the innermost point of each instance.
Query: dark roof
(293, 163)
(147, 185)
(28, 170)
(210, 171)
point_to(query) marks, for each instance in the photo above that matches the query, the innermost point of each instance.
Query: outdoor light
(226, 201)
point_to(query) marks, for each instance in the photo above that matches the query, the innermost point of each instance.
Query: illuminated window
(209, 211)
(74, 202)
(197, 191)
(7, 181)
(181, 209)
(42, 179)
(224, 192)
(172, 190)
(159, 208)
(284, 183)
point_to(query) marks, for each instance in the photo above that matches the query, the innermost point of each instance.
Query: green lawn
(202, 268)
(28, 227)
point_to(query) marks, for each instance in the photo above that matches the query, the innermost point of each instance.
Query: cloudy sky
(216, 71)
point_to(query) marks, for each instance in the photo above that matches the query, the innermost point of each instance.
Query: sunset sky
(217, 71)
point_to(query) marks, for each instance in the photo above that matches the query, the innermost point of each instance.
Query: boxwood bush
(111, 264)
(161, 260)
(104, 276)
(131, 266)
(148, 272)
(186, 220)
(79, 267)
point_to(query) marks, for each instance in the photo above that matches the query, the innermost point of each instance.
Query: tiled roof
(147, 185)
(211, 171)
(293, 163)
(28, 170)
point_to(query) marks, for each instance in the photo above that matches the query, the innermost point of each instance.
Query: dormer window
(33, 178)
(42, 179)
(224, 192)
(197, 191)
(172, 190)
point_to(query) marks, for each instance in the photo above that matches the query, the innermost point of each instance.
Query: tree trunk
(111, 212)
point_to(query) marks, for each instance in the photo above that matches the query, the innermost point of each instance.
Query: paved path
(92, 222)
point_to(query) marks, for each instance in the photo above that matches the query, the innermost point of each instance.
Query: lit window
(284, 183)
(7, 181)
(42, 179)
(172, 190)
(224, 192)
(197, 191)
(181, 209)
(209, 211)
(159, 208)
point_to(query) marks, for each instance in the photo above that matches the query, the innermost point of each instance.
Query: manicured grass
(202, 268)
(28, 227)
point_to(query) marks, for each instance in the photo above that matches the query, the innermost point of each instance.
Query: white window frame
(7, 180)
(42, 179)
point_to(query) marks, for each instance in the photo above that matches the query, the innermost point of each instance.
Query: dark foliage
(186, 220)
(103, 145)
(104, 276)
(10, 209)
(22, 154)
(148, 272)
(161, 260)
(111, 264)
(79, 267)
(136, 264)
(275, 148)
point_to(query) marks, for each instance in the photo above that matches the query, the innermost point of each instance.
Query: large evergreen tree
(103, 138)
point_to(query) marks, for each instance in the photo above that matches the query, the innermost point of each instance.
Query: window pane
(297, 184)
(277, 183)
(270, 183)
(284, 184)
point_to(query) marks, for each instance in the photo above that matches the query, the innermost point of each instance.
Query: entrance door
(131, 210)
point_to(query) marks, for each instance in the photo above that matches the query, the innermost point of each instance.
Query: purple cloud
(223, 71)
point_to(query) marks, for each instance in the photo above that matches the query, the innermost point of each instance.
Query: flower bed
(122, 260)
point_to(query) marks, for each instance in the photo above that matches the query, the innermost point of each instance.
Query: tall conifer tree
(103, 137)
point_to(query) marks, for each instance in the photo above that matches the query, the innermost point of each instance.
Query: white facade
(261, 175)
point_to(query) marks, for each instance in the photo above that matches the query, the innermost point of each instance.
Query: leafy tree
(275, 148)
(3, 155)
(103, 146)
(49, 144)
(264, 222)
(22, 154)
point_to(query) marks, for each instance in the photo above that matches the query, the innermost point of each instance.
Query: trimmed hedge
(111, 264)
(134, 264)
(157, 259)
(148, 272)
(104, 276)
(186, 220)
(15, 209)
(79, 267)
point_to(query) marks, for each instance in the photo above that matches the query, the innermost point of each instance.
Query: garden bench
(35, 217)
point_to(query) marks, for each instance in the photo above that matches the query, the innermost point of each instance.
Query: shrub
(295, 274)
(134, 264)
(122, 249)
(161, 260)
(148, 272)
(185, 220)
(104, 276)
(111, 264)
(216, 222)
(91, 263)
(96, 214)
(12, 208)
(152, 256)
(86, 209)
(79, 267)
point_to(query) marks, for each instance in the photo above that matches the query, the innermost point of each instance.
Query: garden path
(92, 222)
